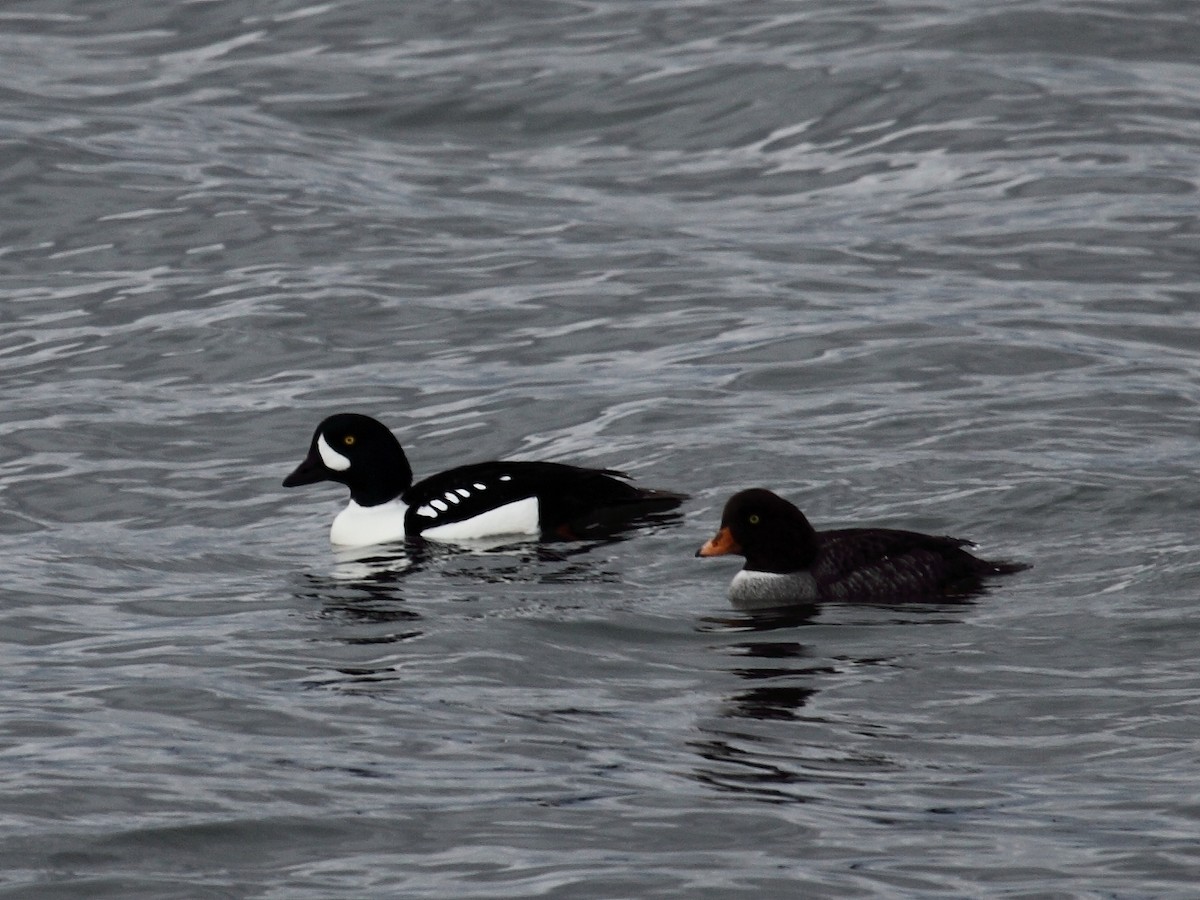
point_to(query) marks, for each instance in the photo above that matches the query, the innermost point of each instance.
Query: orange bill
(721, 544)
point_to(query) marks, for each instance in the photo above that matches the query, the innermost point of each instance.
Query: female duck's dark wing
(570, 501)
(856, 562)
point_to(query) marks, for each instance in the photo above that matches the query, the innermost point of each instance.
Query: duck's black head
(359, 452)
(769, 531)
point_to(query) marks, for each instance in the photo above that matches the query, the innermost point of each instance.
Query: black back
(573, 501)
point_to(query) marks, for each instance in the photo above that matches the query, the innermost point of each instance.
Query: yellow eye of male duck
(348, 440)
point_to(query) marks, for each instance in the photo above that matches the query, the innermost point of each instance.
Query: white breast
(764, 590)
(357, 526)
(518, 517)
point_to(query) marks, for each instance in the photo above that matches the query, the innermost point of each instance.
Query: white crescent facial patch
(329, 456)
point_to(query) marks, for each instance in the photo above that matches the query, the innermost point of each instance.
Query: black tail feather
(647, 507)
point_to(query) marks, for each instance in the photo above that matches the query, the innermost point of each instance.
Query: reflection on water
(362, 595)
(774, 701)
(781, 680)
(770, 702)
(768, 649)
(762, 620)
(946, 276)
(496, 561)
(367, 591)
(792, 686)
(917, 611)
(737, 772)
(762, 769)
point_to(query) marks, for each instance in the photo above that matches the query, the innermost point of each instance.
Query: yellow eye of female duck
(754, 518)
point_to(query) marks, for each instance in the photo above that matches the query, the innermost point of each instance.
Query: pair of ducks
(787, 560)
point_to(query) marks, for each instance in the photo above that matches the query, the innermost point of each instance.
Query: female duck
(788, 561)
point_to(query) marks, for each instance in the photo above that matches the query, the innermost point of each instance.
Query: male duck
(483, 500)
(788, 561)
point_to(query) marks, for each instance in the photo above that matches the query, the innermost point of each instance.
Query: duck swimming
(477, 501)
(788, 561)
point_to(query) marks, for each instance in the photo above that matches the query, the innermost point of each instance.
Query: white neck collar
(357, 526)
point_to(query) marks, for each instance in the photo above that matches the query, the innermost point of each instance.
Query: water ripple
(923, 265)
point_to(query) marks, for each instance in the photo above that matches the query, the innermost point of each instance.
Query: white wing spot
(519, 517)
(480, 487)
(427, 511)
(506, 478)
(439, 505)
(452, 497)
(463, 492)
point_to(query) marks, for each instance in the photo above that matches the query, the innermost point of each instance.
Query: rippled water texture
(929, 265)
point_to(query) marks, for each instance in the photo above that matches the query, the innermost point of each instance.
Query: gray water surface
(927, 265)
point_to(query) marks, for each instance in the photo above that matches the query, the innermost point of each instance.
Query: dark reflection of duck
(367, 588)
(383, 565)
(768, 619)
(788, 561)
(749, 745)
(497, 561)
(363, 596)
(371, 601)
(359, 604)
(784, 680)
(780, 662)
